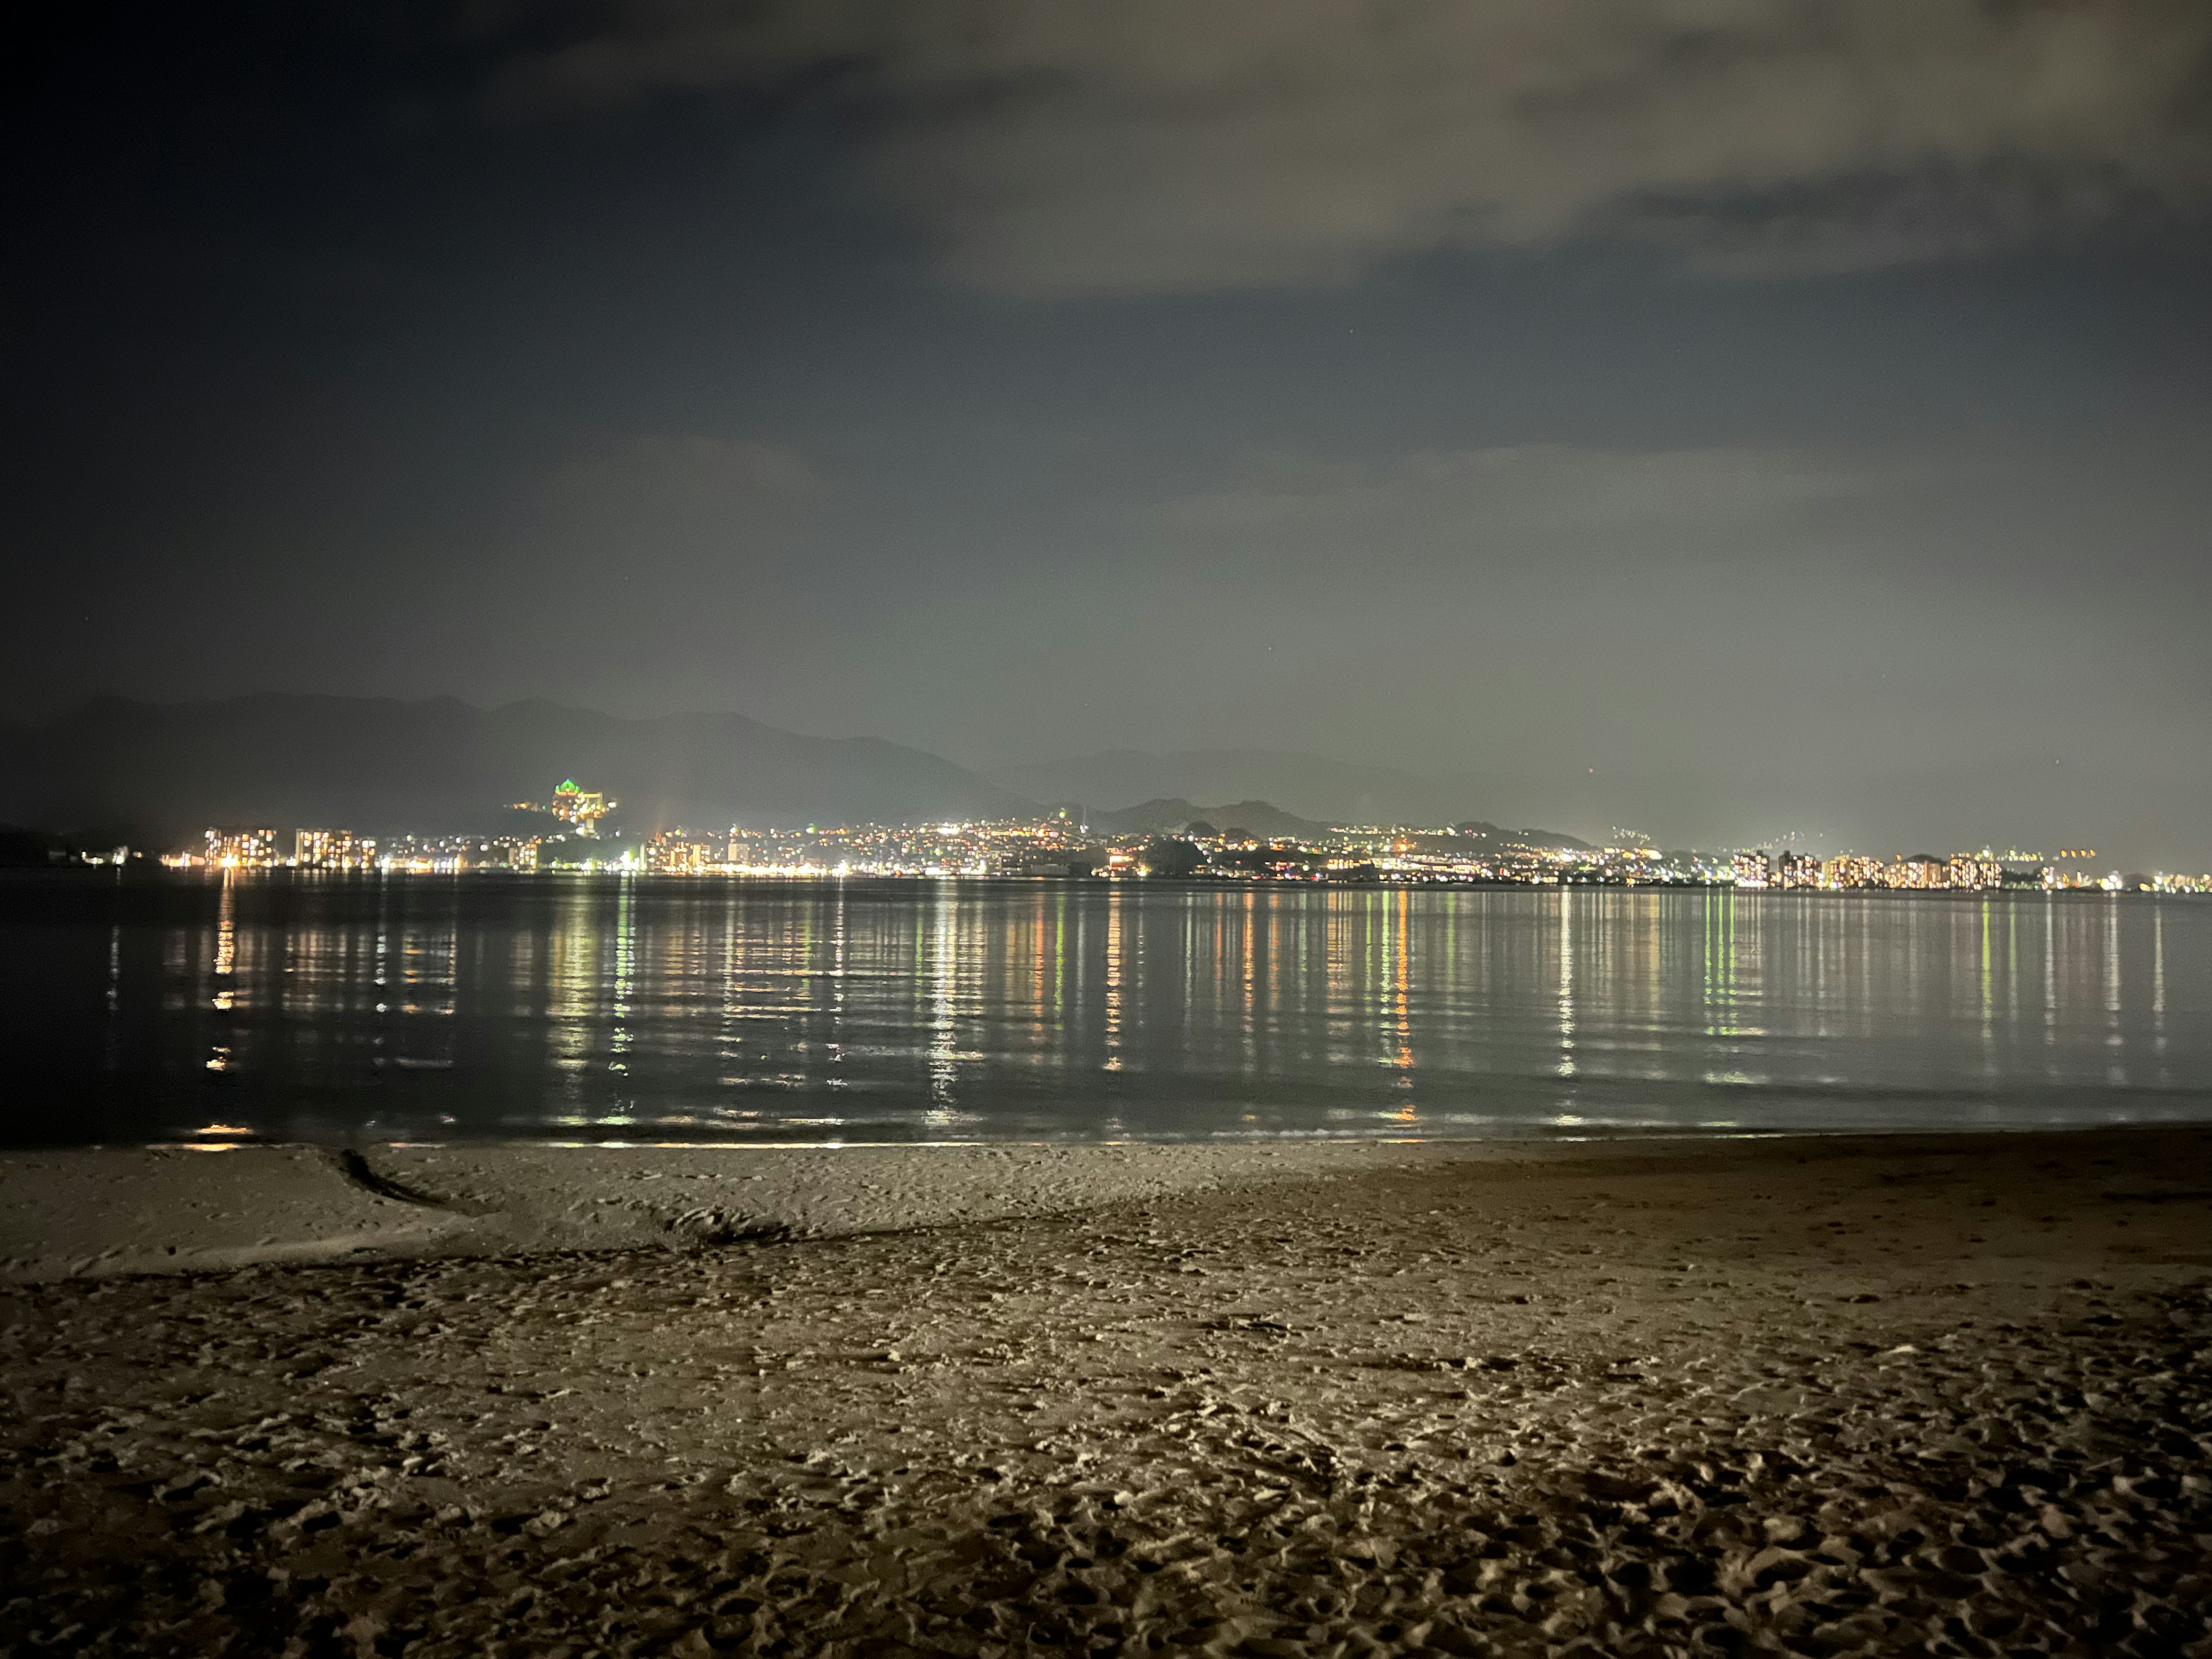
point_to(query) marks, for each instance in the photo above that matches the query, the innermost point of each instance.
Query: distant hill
(1276, 792)
(158, 772)
(1171, 813)
(1476, 829)
(1318, 789)
(1312, 787)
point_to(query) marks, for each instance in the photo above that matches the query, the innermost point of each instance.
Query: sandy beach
(1942, 1395)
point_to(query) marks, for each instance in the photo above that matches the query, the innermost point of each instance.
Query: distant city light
(1055, 846)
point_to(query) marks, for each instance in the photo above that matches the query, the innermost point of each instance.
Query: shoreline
(1854, 1396)
(213, 1206)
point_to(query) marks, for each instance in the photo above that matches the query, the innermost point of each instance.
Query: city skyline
(1062, 844)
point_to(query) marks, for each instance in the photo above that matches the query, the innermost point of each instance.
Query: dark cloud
(1163, 145)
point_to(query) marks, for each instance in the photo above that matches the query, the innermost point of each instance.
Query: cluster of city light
(1956, 873)
(1627, 866)
(1914, 872)
(341, 850)
(2165, 882)
(1058, 845)
(232, 849)
(1053, 846)
(579, 808)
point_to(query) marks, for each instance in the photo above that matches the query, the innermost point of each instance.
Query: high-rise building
(1851, 870)
(1796, 870)
(1751, 870)
(241, 848)
(332, 849)
(1973, 870)
(679, 852)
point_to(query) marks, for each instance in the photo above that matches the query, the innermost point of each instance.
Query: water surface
(338, 1008)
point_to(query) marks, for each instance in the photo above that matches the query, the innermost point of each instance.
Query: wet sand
(1943, 1395)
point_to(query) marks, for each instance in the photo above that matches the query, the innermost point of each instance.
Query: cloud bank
(1051, 148)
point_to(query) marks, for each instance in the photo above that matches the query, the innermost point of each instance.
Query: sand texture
(1944, 1396)
(97, 1210)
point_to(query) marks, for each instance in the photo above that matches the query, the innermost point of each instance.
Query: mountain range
(1167, 814)
(1273, 792)
(157, 773)
(1311, 786)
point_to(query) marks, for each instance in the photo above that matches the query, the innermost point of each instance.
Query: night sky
(1704, 416)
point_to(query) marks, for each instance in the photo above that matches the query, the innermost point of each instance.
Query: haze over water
(634, 1008)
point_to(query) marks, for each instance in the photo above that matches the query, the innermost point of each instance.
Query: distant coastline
(1297, 866)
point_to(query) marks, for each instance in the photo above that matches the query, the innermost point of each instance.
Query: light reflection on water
(576, 1007)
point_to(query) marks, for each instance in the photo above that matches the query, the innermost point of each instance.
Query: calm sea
(344, 1008)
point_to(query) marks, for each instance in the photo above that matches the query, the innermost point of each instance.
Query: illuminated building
(448, 855)
(1751, 870)
(1918, 871)
(332, 849)
(1974, 871)
(1851, 870)
(1796, 870)
(579, 808)
(677, 852)
(241, 849)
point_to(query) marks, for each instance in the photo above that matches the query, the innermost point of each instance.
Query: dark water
(610, 1008)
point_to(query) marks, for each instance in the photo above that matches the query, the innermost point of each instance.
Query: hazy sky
(1709, 416)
